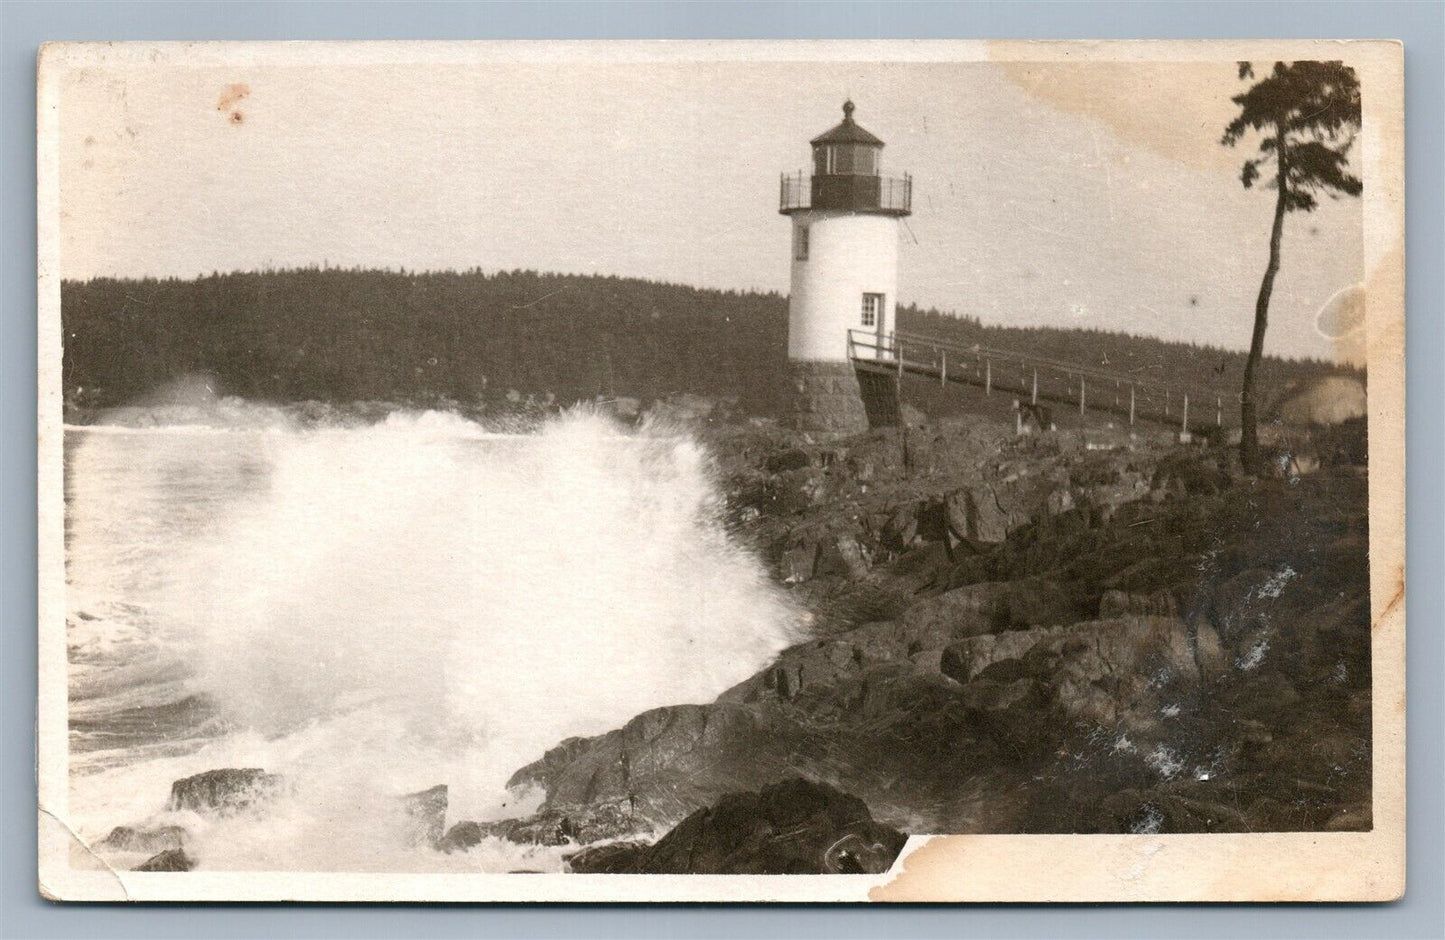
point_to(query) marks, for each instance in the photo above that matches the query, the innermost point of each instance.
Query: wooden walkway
(882, 361)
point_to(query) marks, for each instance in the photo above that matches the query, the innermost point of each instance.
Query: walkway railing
(1038, 378)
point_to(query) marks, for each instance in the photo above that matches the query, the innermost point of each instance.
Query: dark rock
(225, 791)
(610, 858)
(653, 771)
(144, 839)
(169, 860)
(992, 695)
(790, 828)
(798, 490)
(461, 837)
(966, 659)
(901, 527)
(798, 563)
(1066, 674)
(976, 512)
(1101, 671)
(545, 828)
(1183, 473)
(841, 555)
(793, 459)
(987, 607)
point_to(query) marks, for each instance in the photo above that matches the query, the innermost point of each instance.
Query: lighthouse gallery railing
(797, 191)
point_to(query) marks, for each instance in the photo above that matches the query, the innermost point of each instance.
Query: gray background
(24, 25)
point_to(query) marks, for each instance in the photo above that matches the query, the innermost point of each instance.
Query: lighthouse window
(872, 309)
(800, 243)
(846, 160)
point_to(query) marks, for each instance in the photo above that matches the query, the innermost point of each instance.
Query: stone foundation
(824, 398)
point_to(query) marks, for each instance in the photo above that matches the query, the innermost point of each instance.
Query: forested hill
(350, 335)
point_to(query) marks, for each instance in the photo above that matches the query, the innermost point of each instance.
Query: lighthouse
(844, 273)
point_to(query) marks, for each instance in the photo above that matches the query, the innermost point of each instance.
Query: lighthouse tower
(844, 273)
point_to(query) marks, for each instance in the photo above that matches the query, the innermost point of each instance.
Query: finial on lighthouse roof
(848, 132)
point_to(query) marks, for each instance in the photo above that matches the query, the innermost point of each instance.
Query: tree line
(348, 335)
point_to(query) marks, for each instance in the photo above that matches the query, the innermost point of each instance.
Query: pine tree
(1307, 114)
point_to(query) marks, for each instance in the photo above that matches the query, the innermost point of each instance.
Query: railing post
(988, 376)
(898, 350)
(943, 367)
(1184, 423)
(1131, 405)
(1218, 411)
(1081, 395)
(1034, 396)
(1167, 393)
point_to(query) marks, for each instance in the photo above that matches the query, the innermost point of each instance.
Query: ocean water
(370, 611)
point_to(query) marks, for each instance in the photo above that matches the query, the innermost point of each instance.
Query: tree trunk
(1248, 411)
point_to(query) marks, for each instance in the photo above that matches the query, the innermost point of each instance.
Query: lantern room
(847, 175)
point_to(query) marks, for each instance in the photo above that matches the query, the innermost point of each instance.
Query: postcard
(721, 471)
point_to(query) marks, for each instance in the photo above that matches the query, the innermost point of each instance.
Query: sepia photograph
(751, 471)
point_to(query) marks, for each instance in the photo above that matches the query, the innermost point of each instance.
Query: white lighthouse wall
(848, 255)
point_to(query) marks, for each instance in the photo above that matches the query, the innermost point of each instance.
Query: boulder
(965, 659)
(225, 791)
(144, 838)
(1100, 671)
(461, 837)
(790, 828)
(609, 858)
(169, 860)
(1107, 669)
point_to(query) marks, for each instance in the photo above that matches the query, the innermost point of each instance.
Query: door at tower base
(824, 398)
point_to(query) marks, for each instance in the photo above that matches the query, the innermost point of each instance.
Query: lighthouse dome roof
(848, 132)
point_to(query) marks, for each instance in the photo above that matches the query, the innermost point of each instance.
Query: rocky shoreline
(1084, 631)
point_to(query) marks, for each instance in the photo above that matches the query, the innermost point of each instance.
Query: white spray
(378, 610)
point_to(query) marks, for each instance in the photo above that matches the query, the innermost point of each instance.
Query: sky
(1090, 194)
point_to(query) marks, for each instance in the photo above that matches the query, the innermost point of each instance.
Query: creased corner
(52, 894)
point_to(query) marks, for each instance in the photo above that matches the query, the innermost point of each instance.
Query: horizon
(1046, 194)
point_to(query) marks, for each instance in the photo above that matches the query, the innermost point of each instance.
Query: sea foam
(375, 610)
